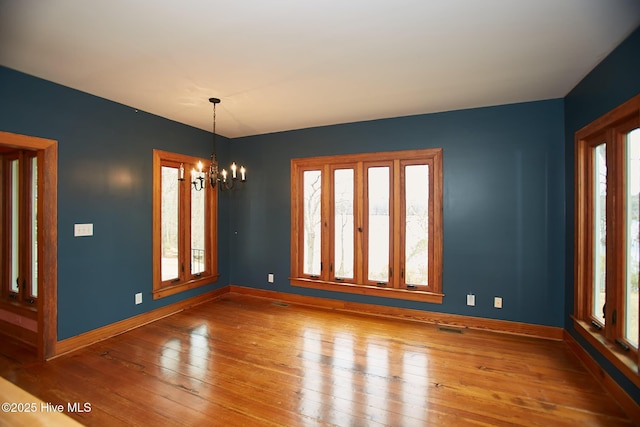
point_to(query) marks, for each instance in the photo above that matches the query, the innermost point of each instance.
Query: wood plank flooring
(248, 361)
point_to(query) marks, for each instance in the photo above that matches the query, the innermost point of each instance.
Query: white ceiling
(289, 64)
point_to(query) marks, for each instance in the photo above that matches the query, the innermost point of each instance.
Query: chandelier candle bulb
(233, 170)
(243, 174)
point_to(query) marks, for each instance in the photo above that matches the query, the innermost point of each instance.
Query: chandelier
(223, 178)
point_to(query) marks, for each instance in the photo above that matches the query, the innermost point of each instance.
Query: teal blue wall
(615, 80)
(104, 178)
(503, 205)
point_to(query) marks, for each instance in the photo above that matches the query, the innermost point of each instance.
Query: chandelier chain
(214, 128)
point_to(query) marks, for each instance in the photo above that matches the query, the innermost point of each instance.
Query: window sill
(184, 286)
(417, 295)
(623, 360)
(21, 308)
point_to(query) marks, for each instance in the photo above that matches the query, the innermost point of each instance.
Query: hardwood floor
(247, 361)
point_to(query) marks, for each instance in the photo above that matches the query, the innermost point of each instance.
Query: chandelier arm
(229, 187)
(198, 183)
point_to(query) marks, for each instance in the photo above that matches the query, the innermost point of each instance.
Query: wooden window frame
(606, 338)
(388, 163)
(396, 160)
(357, 254)
(24, 296)
(186, 280)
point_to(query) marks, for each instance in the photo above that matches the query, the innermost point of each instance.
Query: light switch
(80, 230)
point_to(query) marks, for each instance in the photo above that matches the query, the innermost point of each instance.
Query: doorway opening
(28, 248)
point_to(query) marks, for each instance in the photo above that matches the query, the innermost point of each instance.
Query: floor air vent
(452, 330)
(280, 304)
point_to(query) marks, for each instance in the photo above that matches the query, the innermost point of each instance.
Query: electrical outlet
(471, 299)
(270, 278)
(497, 302)
(139, 298)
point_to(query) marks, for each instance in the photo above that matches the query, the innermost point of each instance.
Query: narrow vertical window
(343, 206)
(198, 231)
(170, 220)
(312, 221)
(19, 222)
(416, 222)
(599, 232)
(15, 226)
(379, 223)
(33, 221)
(631, 301)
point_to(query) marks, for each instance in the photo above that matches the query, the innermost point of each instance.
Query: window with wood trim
(607, 245)
(184, 226)
(369, 224)
(19, 226)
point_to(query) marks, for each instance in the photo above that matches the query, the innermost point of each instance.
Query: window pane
(169, 224)
(416, 224)
(312, 192)
(632, 232)
(344, 202)
(379, 223)
(15, 227)
(599, 232)
(34, 226)
(197, 230)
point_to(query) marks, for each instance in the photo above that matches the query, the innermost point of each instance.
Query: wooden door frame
(47, 236)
